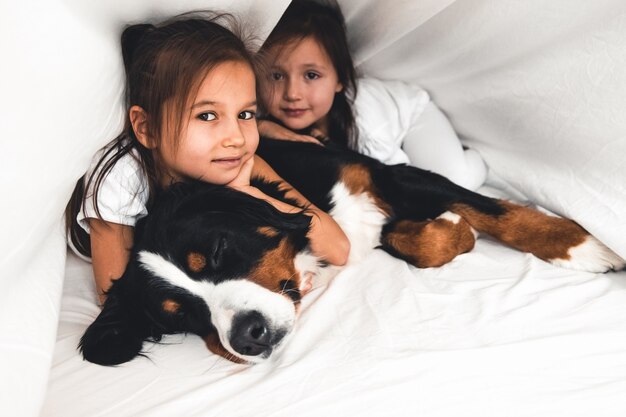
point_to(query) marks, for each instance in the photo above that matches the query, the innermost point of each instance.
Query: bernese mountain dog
(218, 263)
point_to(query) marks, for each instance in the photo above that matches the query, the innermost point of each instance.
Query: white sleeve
(122, 196)
(384, 111)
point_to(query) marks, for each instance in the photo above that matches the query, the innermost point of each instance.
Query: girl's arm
(110, 252)
(327, 239)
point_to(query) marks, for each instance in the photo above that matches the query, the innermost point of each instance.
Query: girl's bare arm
(328, 240)
(110, 251)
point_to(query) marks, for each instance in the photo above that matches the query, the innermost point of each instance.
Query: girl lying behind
(310, 93)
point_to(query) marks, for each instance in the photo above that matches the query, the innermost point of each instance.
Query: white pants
(432, 144)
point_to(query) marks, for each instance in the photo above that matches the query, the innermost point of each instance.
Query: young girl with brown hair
(191, 104)
(310, 93)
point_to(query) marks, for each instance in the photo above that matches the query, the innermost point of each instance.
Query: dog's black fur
(226, 228)
(412, 193)
(189, 217)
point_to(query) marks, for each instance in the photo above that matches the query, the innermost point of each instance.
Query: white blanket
(537, 87)
(495, 332)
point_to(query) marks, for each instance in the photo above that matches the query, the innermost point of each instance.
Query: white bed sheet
(537, 87)
(495, 332)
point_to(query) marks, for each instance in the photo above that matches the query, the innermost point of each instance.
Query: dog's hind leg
(556, 240)
(431, 243)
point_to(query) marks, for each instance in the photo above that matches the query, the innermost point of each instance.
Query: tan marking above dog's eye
(268, 231)
(170, 306)
(196, 261)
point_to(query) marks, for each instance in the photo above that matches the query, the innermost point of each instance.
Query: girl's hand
(242, 183)
(242, 180)
(275, 131)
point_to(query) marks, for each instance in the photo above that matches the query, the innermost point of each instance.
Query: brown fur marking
(170, 306)
(275, 266)
(527, 229)
(268, 231)
(430, 243)
(196, 261)
(358, 180)
(212, 342)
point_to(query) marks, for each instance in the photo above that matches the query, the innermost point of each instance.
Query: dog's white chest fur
(359, 217)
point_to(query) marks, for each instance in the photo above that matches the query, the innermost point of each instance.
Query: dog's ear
(115, 336)
(298, 228)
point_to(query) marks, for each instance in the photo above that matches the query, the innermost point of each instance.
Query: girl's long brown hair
(325, 23)
(164, 64)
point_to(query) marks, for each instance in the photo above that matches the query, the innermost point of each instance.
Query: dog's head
(211, 261)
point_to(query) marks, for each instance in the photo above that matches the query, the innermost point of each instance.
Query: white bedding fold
(495, 332)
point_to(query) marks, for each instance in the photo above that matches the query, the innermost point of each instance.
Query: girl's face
(302, 84)
(221, 132)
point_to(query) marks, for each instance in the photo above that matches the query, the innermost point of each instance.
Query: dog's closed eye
(217, 252)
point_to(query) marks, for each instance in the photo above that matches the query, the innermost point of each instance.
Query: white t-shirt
(384, 113)
(122, 196)
(398, 123)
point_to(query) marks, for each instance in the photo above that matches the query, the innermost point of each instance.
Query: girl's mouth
(294, 112)
(228, 162)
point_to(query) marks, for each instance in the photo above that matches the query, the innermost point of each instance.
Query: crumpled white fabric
(537, 87)
(494, 332)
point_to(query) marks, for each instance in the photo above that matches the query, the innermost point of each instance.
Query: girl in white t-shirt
(310, 94)
(191, 101)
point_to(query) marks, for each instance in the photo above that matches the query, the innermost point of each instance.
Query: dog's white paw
(591, 256)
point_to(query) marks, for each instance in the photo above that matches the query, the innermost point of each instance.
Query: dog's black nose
(250, 334)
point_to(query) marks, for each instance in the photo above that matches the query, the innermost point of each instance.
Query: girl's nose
(292, 90)
(234, 136)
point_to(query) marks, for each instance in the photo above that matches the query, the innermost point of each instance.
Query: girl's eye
(208, 116)
(247, 115)
(276, 76)
(311, 75)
